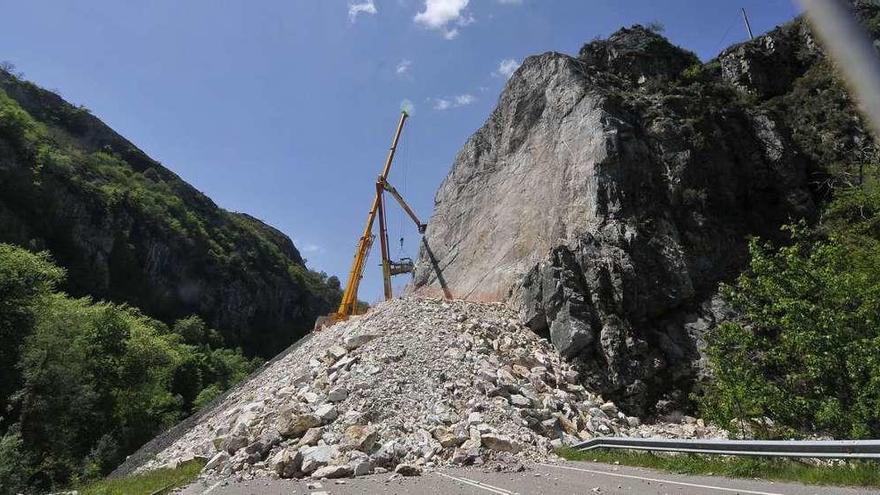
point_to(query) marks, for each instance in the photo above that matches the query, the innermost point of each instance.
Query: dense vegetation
(130, 231)
(136, 301)
(806, 355)
(85, 383)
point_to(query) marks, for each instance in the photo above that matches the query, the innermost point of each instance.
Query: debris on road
(410, 386)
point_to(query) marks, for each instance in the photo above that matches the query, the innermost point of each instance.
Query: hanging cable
(406, 156)
(404, 167)
(726, 32)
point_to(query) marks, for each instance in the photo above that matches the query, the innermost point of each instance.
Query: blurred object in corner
(852, 50)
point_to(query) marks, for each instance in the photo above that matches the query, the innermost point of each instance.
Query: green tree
(92, 381)
(807, 351)
(91, 370)
(25, 278)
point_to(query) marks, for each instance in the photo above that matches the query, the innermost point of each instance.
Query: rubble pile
(412, 385)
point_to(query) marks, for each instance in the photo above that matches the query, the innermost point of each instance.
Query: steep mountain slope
(129, 230)
(608, 194)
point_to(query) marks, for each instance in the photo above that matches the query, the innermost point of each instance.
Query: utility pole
(748, 26)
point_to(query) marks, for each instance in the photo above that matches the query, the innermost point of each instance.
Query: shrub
(25, 278)
(93, 380)
(807, 353)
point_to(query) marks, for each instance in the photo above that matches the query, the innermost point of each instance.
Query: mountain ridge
(130, 230)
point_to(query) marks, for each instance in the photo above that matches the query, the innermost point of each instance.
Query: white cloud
(466, 99)
(441, 104)
(403, 67)
(466, 19)
(312, 248)
(507, 67)
(450, 34)
(439, 14)
(454, 101)
(307, 247)
(357, 8)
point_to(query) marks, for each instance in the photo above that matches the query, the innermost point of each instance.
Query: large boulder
(293, 422)
(769, 65)
(605, 198)
(317, 457)
(637, 53)
(286, 463)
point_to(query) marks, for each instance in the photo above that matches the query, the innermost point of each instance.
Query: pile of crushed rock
(412, 385)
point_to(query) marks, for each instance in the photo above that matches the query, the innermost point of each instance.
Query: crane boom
(388, 187)
(383, 243)
(348, 305)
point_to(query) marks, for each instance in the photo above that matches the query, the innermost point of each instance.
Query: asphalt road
(576, 478)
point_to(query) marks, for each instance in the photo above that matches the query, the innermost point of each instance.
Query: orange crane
(349, 304)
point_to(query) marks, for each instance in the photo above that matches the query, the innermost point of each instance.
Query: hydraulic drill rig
(349, 304)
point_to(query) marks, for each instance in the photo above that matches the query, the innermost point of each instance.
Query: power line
(726, 32)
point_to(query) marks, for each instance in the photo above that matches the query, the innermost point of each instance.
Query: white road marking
(211, 488)
(655, 480)
(477, 484)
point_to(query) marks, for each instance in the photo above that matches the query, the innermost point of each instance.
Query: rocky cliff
(609, 194)
(129, 230)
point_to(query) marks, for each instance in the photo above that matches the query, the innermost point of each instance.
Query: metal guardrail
(864, 449)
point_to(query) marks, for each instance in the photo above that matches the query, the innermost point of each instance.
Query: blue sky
(284, 109)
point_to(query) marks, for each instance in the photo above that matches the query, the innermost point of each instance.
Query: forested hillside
(84, 383)
(129, 230)
(128, 299)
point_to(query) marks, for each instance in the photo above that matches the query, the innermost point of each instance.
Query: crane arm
(348, 304)
(409, 211)
(383, 241)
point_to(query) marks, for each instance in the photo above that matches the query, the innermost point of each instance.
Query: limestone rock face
(605, 198)
(637, 53)
(768, 66)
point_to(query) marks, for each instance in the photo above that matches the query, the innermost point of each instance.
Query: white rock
(311, 437)
(352, 342)
(359, 437)
(335, 353)
(609, 408)
(361, 467)
(337, 394)
(316, 457)
(343, 363)
(294, 424)
(500, 443)
(218, 460)
(332, 472)
(326, 413)
(286, 463)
